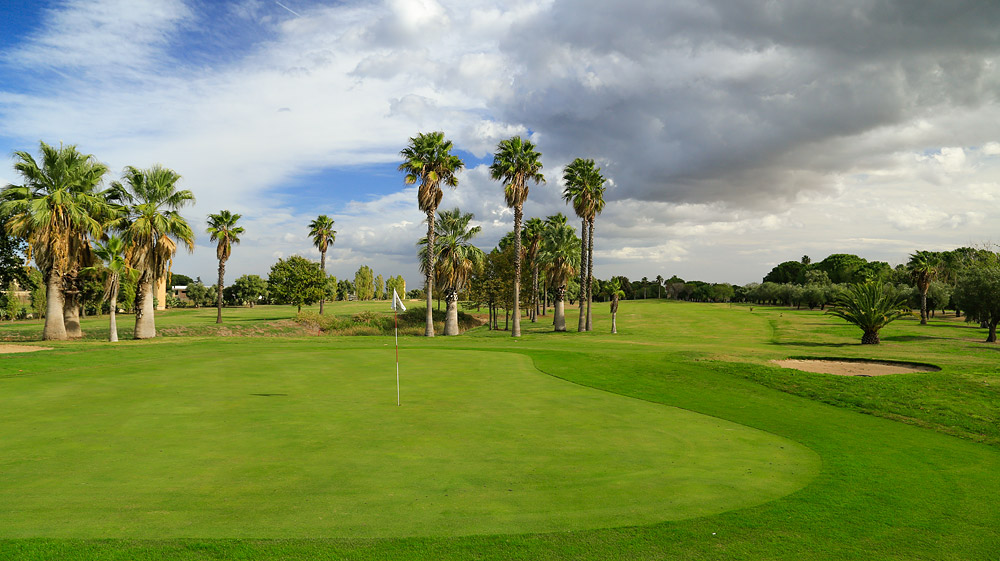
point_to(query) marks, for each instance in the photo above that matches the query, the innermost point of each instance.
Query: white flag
(397, 302)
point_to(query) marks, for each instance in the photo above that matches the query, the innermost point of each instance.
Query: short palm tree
(112, 253)
(534, 228)
(56, 210)
(615, 292)
(153, 230)
(515, 163)
(428, 160)
(560, 253)
(870, 307)
(323, 236)
(585, 190)
(923, 267)
(223, 229)
(456, 260)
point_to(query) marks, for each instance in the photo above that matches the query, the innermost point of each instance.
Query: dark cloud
(718, 100)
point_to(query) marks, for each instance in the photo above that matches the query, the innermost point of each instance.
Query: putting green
(295, 438)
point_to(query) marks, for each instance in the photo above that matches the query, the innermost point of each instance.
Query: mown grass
(885, 490)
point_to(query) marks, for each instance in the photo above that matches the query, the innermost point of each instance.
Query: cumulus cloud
(735, 132)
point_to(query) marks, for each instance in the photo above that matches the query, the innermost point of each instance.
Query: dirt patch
(6, 349)
(854, 367)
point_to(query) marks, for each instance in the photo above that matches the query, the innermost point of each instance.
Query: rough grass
(886, 489)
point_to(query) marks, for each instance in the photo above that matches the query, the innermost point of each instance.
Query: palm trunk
(218, 299)
(113, 331)
(71, 315)
(534, 293)
(322, 266)
(429, 278)
(614, 325)
(55, 325)
(516, 328)
(590, 273)
(923, 307)
(145, 322)
(559, 314)
(451, 313)
(870, 338)
(582, 325)
(545, 297)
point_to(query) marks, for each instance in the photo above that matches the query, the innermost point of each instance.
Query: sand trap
(6, 349)
(854, 367)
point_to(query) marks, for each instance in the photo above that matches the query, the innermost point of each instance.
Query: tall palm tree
(323, 235)
(154, 229)
(428, 160)
(923, 266)
(560, 253)
(112, 253)
(223, 229)
(56, 210)
(534, 229)
(585, 190)
(515, 163)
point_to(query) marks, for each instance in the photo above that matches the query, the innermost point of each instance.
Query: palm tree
(616, 292)
(533, 231)
(923, 266)
(560, 254)
(429, 161)
(223, 229)
(154, 229)
(56, 211)
(552, 221)
(112, 253)
(515, 163)
(457, 260)
(585, 190)
(870, 307)
(323, 236)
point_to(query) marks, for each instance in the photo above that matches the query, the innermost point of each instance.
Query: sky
(736, 134)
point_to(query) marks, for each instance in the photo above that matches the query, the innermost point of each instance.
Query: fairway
(303, 438)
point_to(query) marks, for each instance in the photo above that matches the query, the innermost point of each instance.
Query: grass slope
(886, 489)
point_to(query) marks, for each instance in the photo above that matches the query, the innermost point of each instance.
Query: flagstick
(395, 320)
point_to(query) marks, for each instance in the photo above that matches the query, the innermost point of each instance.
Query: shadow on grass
(902, 338)
(812, 344)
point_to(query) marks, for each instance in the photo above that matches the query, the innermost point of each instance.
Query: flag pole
(395, 319)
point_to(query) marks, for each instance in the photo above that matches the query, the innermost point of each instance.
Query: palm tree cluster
(428, 160)
(62, 211)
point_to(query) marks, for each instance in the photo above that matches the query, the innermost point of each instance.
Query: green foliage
(296, 281)
(199, 294)
(379, 287)
(248, 290)
(11, 303)
(398, 283)
(870, 307)
(364, 280)
(787, 272)
(978, 294)
(180, 280)
(12, 253)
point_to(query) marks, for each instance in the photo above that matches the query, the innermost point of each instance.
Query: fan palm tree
(923, 266)
(515, 163)
(56, 210)
(560, 249)
(616, 292)
(112, 253)
(323, 235)
(223, 229)
(428, 160)
(152, 233)
(456, 260)
(534, 228)
(585, 191)
(870, 307)
(552, 221)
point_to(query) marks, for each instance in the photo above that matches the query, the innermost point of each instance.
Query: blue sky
(736, 134)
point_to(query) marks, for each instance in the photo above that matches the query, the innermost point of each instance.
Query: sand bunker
(5, 349)
(854, 367)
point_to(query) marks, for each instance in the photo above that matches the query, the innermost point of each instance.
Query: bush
(411, 322)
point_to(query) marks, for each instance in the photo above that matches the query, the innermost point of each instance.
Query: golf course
(676, 438)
